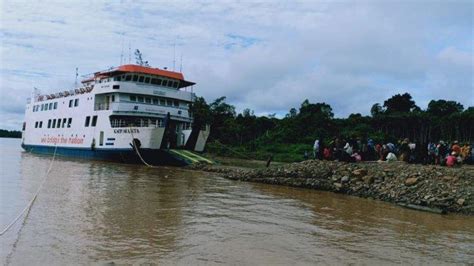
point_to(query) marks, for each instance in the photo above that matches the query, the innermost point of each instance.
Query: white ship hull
(106, 117)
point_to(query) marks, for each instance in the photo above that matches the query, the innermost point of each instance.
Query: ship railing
(101, 106)
(138, 122)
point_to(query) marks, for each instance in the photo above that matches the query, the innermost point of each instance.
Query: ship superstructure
(116, 114)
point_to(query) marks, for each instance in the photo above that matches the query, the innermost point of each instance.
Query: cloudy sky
(267, 56)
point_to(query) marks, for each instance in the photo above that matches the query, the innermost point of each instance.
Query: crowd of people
(355, 150)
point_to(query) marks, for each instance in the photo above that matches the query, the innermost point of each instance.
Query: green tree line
(9, 134)
(250, 136)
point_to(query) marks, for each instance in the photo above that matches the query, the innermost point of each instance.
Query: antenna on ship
(121, 53)
(174, 54)
(77, 74)
(129, 52)
(181, 64)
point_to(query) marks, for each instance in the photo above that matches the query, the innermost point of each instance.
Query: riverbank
(423, 187)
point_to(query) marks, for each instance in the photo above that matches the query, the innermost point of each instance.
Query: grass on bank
(287, 153)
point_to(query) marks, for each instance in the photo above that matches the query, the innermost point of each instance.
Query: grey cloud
(348, 54)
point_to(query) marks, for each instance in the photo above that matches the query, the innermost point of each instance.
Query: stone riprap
(423, 187)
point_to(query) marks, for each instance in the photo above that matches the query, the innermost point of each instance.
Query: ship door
(101, 138)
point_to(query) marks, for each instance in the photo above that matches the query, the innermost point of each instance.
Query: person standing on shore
(316, 149)
(456, 148)
(431, 152)
(405, 150)
(465, 151)
(441, 151)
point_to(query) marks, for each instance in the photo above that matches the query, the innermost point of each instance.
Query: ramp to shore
(190, 157)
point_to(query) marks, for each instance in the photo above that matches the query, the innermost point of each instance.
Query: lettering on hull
(62, 140)
(126, 131)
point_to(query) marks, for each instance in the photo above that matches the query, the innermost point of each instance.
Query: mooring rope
(30, 204)
(135, 148)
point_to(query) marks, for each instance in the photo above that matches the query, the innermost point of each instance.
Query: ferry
(131, 113)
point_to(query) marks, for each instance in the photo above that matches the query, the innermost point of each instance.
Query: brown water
(98, 212)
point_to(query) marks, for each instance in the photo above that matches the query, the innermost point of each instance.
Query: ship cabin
(140, 96)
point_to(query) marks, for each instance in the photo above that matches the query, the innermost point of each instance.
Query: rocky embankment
(429, 188)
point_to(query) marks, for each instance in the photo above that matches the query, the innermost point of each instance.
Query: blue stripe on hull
(154, 157)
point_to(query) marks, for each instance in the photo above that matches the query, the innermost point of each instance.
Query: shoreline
(429, 188)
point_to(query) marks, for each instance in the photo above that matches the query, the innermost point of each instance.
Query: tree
(201, 112)
(442, 108)
(316, 108)
(248, 113)
(376, 110)
(399, 103)
(292, 113)
(223, 121)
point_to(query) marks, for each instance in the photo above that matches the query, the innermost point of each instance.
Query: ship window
(155, 101)
(159, 81)
(41, 124)
(54, 123)
(148, 100)
(76, 102)
(113, 98)
(94, 121)
(42, 107)
(169, 103)
(140, 99)
(135, 78)
(154, 81)
(49, 123)
(162, 102)
(175, 84)
(176, 103)
(141, 79)
(133, 98)
(70, 103)
(64, 122)
(118, 78)
(170, 83)
(128, 77)
(88, 119)
(50, 106)
(36, 124)
(164, 82)
(147, 80)
(69, 122)
(56, 105)
(46, 107)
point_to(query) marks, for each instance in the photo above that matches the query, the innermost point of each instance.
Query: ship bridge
(140, 91)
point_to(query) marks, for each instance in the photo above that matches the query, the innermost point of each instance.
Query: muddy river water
(101, 212)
